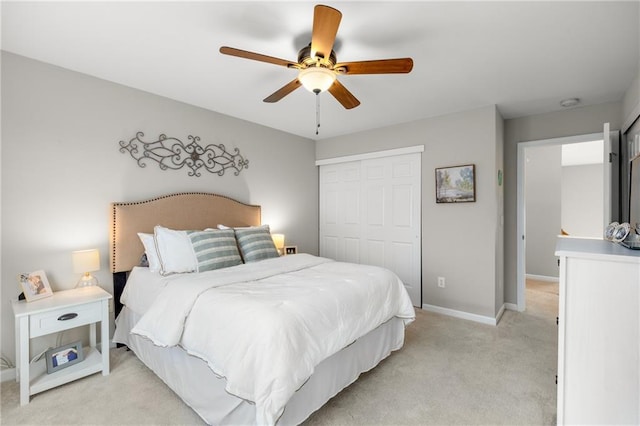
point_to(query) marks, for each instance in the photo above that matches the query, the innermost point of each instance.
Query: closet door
(340, 212)
(370, 214)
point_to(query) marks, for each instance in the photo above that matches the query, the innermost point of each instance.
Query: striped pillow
(256, 243)
(215, 249)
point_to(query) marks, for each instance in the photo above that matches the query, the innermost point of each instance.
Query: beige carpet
(450, 372)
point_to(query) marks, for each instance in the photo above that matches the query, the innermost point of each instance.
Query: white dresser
(598, 333)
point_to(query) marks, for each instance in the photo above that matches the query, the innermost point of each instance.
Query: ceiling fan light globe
(316, 79)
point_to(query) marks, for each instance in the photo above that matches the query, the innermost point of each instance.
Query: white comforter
(264, 326)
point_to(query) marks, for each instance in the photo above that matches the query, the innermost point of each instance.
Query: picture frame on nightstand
(290, 250)
(64, 356)
(35, 285)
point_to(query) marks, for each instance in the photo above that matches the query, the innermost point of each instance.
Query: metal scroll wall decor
(172, 153)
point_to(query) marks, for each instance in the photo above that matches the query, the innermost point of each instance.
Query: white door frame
(520, 233)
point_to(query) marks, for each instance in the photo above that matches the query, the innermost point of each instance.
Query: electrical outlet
(441, 283)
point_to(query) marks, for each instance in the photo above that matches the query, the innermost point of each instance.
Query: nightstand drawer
(64, 318)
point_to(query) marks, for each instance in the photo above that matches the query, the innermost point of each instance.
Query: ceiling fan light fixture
(316, 79)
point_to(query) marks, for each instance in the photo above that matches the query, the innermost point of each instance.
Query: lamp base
(87, 280)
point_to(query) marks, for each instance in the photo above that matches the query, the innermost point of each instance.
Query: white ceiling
(522, 56)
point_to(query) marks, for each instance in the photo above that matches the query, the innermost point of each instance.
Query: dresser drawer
(64, 318)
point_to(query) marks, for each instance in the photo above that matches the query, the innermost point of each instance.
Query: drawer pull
(68, 316)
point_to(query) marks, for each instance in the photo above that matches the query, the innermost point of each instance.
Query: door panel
(375, 252)
(375, 206)
(372, 213)
(351, 252)
(330, 244)
(401, 260)
(401, 206)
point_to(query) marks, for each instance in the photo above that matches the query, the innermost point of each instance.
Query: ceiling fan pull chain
(317, 111)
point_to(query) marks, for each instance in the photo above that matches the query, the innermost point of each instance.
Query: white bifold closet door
(370, 214)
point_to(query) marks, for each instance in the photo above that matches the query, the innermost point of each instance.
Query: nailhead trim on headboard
(133, 203)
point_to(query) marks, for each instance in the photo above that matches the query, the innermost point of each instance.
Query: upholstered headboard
(188, 210)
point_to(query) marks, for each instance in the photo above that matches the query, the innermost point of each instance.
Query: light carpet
(450, 372)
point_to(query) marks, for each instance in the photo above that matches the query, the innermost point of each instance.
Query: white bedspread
(269, 323)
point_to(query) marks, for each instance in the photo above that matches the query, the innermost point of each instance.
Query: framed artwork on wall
(456, 184)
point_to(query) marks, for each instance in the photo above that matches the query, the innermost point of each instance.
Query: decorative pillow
(256, 243)
(174, 251)
(150, 250)
(215, 249)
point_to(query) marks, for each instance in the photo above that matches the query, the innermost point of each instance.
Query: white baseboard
(512, 307)
(465, 315)
(543, 278)
(7, 374)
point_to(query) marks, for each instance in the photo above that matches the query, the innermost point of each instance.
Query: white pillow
(149, 244)
(174, 251)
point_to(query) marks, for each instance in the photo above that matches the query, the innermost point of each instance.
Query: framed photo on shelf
(64, 356)
(456, 184)
(35, 285)
(290, 250)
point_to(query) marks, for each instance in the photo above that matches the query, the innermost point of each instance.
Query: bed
(175, 323)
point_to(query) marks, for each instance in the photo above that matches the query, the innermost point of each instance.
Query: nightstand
(63, 311)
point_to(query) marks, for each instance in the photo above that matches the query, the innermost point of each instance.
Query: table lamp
(278, 240)
(85, 262)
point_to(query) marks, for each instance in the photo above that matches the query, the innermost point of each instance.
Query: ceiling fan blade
(343, 95)
(257, 57)
(381, 66)
(283, 91)
(325, 27)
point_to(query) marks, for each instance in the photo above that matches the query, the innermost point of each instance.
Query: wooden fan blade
(381, 66)
(325, 27)
(283, 91)
(343, 95)
(257, 57)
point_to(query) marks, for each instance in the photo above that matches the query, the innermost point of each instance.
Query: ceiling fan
(317, 64)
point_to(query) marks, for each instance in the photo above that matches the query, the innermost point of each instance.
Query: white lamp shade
(278, 240)
(86, 261)
(316, 79)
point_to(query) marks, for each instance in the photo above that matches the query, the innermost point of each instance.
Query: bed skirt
(195, 383)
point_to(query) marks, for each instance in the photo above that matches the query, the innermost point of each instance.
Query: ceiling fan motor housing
(306, 60)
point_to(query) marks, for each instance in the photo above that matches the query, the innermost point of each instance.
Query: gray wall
(577, 121)
(582, 193)
(459, 241)
(631, 101)
(542, 208)
(61, 168)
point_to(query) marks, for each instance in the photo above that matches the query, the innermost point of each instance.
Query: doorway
(547, 223)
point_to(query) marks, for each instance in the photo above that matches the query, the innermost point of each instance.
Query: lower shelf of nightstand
(41, 381)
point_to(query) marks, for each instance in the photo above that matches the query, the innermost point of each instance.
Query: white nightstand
(62, 311)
